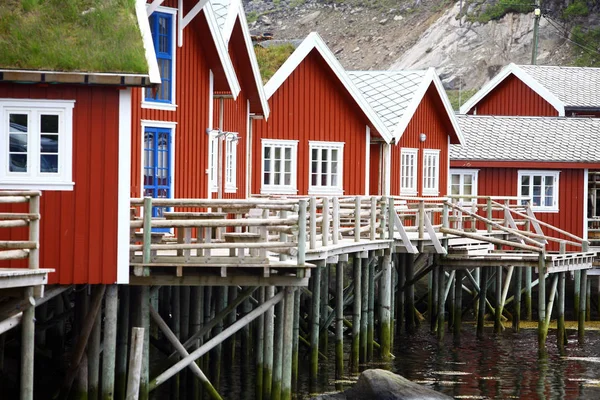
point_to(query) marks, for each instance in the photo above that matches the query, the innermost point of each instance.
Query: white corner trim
(525, 78)
(586, 177)
(314, 41)
(388, 169)
(124, 186)
(144, 24)
(447, 106)
(367, 160)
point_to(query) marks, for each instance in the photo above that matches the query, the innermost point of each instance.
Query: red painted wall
(429, 118)
(78, 235)
(312, 105)
(503, 182)
(513, 97)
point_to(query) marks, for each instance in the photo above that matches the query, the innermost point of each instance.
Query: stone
(356, 49)
(309, 18)
(398, 18)
(383, 21)
(379, 384)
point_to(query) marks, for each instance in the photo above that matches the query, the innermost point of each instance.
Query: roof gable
(314, 42)
(522, 75)
(396, 95)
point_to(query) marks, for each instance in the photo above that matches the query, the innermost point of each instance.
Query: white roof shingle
(550, 139)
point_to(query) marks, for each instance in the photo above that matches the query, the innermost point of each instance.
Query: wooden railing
(29, 219)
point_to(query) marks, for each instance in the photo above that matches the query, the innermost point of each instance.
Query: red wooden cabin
(66, 133)
(536, 90)
(317, 140)
(553, 161)
(415, 108)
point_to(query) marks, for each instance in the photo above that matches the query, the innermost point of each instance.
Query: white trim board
(144, 24)
(124, 186)
(513, 69)
(314, 42)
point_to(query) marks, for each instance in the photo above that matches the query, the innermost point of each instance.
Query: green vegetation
(574, 10)
(271, 58)
(71, 35)
(453, 96)
(586, 54)
(251, 16)
(490, 12)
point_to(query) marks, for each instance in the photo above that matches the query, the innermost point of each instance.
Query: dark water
(507, 366)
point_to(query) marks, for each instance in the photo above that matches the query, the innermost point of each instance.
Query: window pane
(525, 180)
(18, 123)
(18, 163)
(49, 163)
(267, 165)
(525, 191)
(288, 166)
(267, 152)
(454, 189)
(49, 144)
(287, 179)
(468, 179)
(49, 123)
(537, 180)
(277, 153)
(468, 189)
(288, 153)
(548, 180)
(456, 179)
(18, 143)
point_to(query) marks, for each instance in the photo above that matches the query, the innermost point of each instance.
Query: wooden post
(196, 318)
(458, 289)
(217, 354)
(588, 299)
(441, 302)
(356, 310)
(324, 339)
(278, 352)
(287, 339)
(498, 293)
(230, 344)
(400, 294)
(434, 302)
(109, 342)
(561, 331)
(542, 331)
(313, 222)
(385, 286)
(410, 292)
(517, 296)
(577, 293)
(371, 308)
(325, 222)
(364, 309)
(528, 298)
(260, 349)
(482, 298)
(357, 206)
(296, 340)
(268, 357)
(315, 322)
(93, 355)
(176, 326)
(122, 343)
(582, 301)
(135, 363)
(477, 279)
(27, 346)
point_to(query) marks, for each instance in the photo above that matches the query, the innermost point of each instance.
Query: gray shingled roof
(553, 139)
(574, 86)
(389, 93)
(221, 9)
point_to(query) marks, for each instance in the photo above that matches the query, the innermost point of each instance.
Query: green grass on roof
(71, 35)
(271, 58)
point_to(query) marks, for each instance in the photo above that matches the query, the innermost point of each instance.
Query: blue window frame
(157, 167)
(161, 25)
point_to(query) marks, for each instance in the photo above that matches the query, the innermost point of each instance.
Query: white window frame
(408, 173)
(213, 161)
(281, 188)
(173, 105)
(334, 190)
(231, 143)
(543, 173)
(34, 179)
(431, 184)
(474, 173)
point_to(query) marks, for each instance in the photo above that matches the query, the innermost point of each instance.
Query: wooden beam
(231, 280)
(150, 8)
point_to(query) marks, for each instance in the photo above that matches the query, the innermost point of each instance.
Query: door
(375, 169)
(157, 167)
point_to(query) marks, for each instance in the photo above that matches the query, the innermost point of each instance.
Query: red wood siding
(503, 182)
(375, 169)
(429, 118)
(78, 235)
(513, 97)
(312, 105)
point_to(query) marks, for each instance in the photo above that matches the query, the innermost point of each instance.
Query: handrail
(20, 249)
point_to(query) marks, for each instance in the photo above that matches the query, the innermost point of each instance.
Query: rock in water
(379, 384)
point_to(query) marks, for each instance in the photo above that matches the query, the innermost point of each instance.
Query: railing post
(302, 233)
(147, 235)
(336, 220)
(313, 222)
(373, 219)
(34, 231)
(357, 205)
(421, 219)
(391, 211)
(325, 222)
(489, 214)
(383, 215)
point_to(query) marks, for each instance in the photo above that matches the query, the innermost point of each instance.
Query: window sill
(283, 190)
(431, 193)
(544, 210)
(49, 186)
(159, 106)
(231, 189)
(325, 192)
(404, 193)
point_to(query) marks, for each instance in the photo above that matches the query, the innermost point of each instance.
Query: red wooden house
(536, 90)
(65, 131)
(317, 140)
(415, 108)
(553, 161)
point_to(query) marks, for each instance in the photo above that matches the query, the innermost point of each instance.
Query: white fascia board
(447, 105)
(513, 69)
(314, 41)
(223, 53)
(144, 24)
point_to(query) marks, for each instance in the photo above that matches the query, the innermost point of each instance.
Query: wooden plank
(213, 280)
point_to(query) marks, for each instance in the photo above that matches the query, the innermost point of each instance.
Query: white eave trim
(314, 41)
(513, 69)
(144, 24)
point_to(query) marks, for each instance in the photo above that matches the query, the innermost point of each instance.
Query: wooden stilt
(356, 311)
(230, 344)
(371, 323)
(385, 285)
(451, 298)
(81, 382)
(477, 283)
(400, 294)
(217, 360)
(288, 332)
(260, 349)
(324, 337)
(528, 298)
(27, 346)
(561, 331)
(315, 316)
(122, 342)
(588, 299)
(517, 296)
(576, 293)
(393, 300)
(93, 356)
(268, 357)
(482, 298)
(278, 351)
(582, 306)
(295, 341)
(410, 292)
(109, 342)
(184, 333)
(339, 319)
(434, 301)
(457, 305)
(196, 317)
(135, 363)
(498, 293)
(364, 310)
(176, 327)
(441, 303)
(542, 331)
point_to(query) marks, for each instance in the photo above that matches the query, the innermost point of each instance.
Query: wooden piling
(260, 349)
(498, 293)
(324, 337)
(122, 342)
(93, 356)
(356, 311)
(364, 313)
(315, 321)
(230, 343)
(576, 292)
(27, 346)
(176, 328)
(109, 342)
(339, 319)
(288, 343)
(482, 297)
(434, 299)
(561, 329)
(456, 324)
(542, 328)
(400, 294)
(517, 303)
(440, 303)
(278, 351)
(217, 361)
(409, 262)
(135, 363)
(295, 340)
(385, 286)
(528, 298)
(582, 306)
(588, 299)
(371, 308)
(268, 354)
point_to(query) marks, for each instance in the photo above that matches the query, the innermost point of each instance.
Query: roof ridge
(556, 66)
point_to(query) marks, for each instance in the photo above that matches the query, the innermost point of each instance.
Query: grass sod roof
(271, 58)
(71, 36)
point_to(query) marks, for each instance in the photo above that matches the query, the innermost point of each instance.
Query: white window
(541, 187)
(37, 144)
(231, 162)
(408, 172)
(326, 165)
(213, 154)
(463, 182)
(431, 172)
(279, 166)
